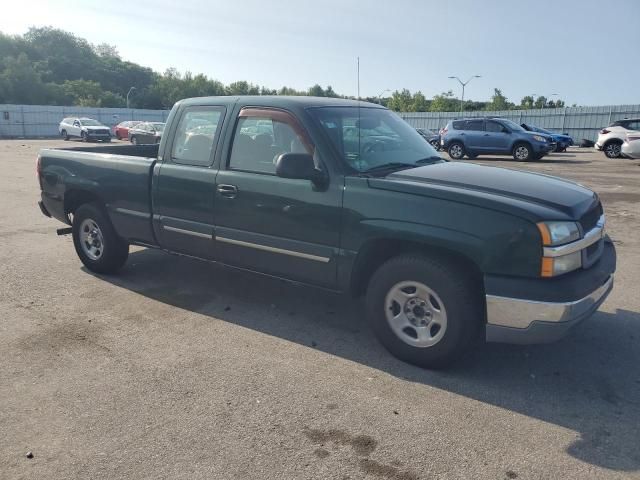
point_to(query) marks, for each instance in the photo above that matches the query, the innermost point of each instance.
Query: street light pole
(128, 93)
(464, 84)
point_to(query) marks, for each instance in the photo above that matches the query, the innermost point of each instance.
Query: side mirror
(297, 166)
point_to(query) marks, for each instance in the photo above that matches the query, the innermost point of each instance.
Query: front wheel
(65, 135)
(424, 311)
(96, 242)
(522, 152)
(83, 137)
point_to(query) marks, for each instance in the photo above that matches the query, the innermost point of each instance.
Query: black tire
(65, 136)
(114, 250)
(522, 152)
(613, 149)
(134, 140)
(456, 150)
(461, 299)
(435, 144)
(118, 136)
(83, 137)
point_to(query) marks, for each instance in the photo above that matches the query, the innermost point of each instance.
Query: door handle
(229, 191)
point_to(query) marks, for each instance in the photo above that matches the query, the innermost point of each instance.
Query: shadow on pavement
(588, 383)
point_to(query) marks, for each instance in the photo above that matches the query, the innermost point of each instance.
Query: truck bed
(119, 176)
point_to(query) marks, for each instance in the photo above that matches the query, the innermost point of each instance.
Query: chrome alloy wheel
(522, 152)
(415, 314)
(91, 239)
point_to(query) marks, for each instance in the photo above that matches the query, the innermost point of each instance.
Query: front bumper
(550, 307)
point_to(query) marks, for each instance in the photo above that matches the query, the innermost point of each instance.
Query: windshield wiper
(392, 166)
(428, 160)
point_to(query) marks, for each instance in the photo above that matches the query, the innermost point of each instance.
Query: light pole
(554, 95)
(464, 84)
(382, 93)
(129, 93)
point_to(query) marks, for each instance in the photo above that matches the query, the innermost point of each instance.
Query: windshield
(158, 126)
(540, 130)
(512, 125)
(87, 122)
(368, 138)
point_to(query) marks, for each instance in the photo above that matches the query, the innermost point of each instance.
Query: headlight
(539, 138)
(558, 233)
(554, 234)
(553, 266)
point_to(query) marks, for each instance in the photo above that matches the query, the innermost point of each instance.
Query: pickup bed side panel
(494, 241)
(121, 183)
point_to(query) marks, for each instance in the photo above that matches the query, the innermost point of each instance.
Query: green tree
(400, 101)
(527, 102)
(540, 102)
(445, 102)
(419, 103)
(499, 101)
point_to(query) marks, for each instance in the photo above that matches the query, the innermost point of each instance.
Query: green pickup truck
(345, 196)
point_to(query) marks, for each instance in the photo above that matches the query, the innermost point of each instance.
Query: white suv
(610, 138)
(85, 128)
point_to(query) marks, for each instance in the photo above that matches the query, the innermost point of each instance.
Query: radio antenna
(358, 75)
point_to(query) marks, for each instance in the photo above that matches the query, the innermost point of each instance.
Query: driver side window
(261, 136)
(494, 127)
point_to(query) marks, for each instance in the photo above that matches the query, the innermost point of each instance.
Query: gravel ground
(181, 369)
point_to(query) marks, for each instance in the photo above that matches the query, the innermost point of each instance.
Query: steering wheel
(375, 146)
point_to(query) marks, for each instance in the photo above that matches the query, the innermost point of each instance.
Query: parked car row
(88, 129)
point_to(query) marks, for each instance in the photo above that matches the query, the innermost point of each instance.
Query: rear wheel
(83, 137)
(424, 311)
(456, 150)
(613, 149)
(65, 135)
(522, 152)
(134, 140)
(100, 249)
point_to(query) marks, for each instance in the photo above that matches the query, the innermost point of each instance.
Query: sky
(586, 51)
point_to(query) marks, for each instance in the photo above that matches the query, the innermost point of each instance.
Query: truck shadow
(588, 383)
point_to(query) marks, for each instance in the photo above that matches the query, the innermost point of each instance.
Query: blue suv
(494, 136)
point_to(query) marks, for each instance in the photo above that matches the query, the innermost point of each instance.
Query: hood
(544, 135)
(512, 188)
(93, 127)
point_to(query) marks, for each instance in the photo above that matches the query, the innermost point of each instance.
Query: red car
(121, 131)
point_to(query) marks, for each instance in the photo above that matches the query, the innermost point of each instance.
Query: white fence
(32, 121)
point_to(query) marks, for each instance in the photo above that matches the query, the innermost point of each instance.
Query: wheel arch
(376, 252)
(75, 197)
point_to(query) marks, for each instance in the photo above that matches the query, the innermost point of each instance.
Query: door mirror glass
(296, 166)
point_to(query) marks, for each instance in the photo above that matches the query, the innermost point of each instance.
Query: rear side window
(474, 125)
(196, 136)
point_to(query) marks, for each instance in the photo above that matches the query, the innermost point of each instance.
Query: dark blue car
(562, 139)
